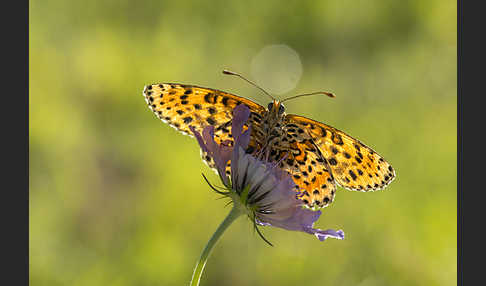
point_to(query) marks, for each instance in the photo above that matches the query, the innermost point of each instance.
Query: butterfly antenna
(307, 94)
(252, 83)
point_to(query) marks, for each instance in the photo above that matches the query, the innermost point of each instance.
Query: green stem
(198, 270)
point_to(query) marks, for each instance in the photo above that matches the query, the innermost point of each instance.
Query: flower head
(266, 193)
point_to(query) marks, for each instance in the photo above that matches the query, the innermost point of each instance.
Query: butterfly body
(317, 156)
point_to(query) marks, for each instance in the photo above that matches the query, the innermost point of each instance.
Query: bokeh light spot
(277, 69)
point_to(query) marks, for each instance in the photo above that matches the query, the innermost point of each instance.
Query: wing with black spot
(352, 164)
(182, 106)
(305, 163)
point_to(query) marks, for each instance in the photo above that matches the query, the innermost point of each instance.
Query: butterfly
(317, 156)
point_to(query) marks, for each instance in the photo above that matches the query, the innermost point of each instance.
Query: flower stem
(198, 270)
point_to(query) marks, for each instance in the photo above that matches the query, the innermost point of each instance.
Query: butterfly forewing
(182, 106)
(353, 165)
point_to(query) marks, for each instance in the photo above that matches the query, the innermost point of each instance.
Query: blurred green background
(117, 197)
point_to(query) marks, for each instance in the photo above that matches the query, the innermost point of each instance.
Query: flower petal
(324, 234)
(271, 195)
(199, 139)
(220, 153)
(241, 113)
(300, 220)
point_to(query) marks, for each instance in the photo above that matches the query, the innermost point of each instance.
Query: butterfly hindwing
(305, 164)
(353, 165)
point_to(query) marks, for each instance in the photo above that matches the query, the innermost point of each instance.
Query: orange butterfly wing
(305, 163)
(352, 164)
(182, 106)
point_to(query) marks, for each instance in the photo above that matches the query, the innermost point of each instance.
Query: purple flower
(262, 190)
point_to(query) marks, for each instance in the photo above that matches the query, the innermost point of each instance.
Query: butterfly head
(276, 108)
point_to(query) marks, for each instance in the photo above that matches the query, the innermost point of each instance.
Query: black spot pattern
(187, 119)
(211, 121)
